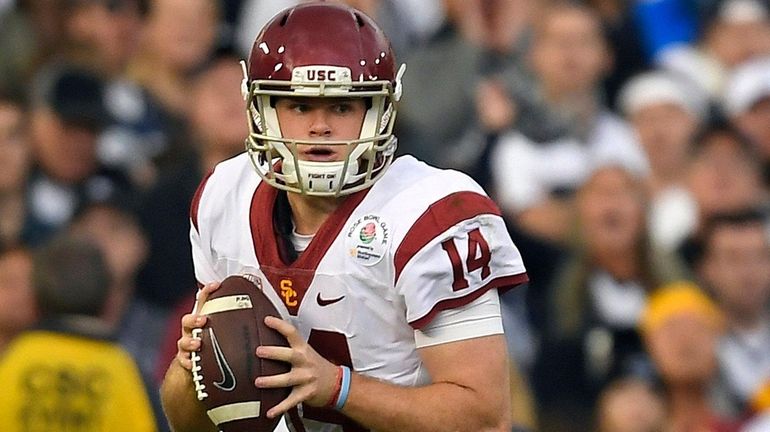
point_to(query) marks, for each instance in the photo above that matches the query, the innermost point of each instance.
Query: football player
(386, 271)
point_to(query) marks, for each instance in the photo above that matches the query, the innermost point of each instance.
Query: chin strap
(320, 176)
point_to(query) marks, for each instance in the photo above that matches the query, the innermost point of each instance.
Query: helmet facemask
(365, 159)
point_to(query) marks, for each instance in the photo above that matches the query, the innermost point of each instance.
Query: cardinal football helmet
(321, 50)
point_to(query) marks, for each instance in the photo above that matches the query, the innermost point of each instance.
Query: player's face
(321, 119)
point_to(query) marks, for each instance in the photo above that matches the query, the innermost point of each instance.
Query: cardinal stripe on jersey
(196, 200)
(451, 303)
(291, 280)
(439, 217)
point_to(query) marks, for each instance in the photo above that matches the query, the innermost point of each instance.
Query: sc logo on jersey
(288, 293)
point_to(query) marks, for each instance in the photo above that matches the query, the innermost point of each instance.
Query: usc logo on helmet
(321, 75)
(332, 74)
(288, 293)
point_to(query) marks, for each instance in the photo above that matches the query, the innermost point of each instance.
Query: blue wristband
(344, 388)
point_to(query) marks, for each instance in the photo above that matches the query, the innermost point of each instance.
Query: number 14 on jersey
(477, 259)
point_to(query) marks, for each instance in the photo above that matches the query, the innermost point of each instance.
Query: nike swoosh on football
(325, 302)
(228, 378)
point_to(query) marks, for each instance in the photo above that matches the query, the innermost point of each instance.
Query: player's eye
(342, 107)
(299, 107)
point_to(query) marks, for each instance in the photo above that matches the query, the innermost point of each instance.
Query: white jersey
(419, 241)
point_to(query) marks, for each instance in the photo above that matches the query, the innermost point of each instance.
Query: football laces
(200, 388)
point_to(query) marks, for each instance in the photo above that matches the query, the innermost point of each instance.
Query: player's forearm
(182, 409)
(436, 407)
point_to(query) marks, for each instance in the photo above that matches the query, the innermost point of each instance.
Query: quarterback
(386, 271)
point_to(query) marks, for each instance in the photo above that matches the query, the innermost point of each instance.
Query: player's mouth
(320, 153)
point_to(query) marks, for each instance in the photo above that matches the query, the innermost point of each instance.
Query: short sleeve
(455, 252)
(203, 263)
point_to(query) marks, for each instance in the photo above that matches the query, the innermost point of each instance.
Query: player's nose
(320, 127)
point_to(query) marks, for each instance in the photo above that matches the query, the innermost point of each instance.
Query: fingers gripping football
(312, 377)
(225, 366)
(187, 343)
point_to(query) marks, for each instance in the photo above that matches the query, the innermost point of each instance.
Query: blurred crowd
(626, 142)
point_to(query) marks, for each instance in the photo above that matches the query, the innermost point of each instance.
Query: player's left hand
(312, 377)
(187, 344)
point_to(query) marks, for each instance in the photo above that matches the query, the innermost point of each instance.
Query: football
(225, 367)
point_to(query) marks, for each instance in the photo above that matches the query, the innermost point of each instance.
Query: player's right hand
(187, 344)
